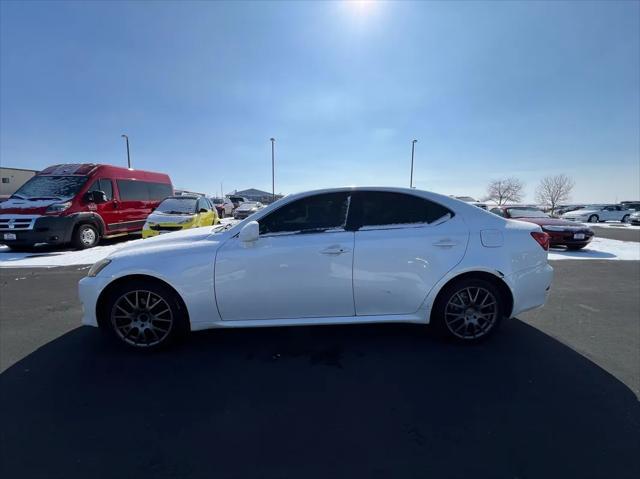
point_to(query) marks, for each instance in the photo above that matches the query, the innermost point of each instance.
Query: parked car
(634, 219)
(561, 232)
(631, 205)
(566, 209)
(596, 213)
(180, 213)
(224, 206)
(246, 209)
(237, 200)
(79, 204)
(347, 255)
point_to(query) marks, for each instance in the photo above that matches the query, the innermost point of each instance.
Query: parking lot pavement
(349, 401)
(616, 231)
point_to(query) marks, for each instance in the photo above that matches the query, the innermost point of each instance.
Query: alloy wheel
(142, 318)
(471, 312)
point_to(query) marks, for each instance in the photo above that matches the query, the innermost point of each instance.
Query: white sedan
(350, 255)
(596, 213)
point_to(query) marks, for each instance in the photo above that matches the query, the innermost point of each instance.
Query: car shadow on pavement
(350, 401)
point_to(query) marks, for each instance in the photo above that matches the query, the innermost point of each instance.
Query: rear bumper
(567, 238)
(530, 288)
(46, 229)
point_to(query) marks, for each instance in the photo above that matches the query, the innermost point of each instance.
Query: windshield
(592, 207)
(178, 206)
(526, 213)
(50, 187)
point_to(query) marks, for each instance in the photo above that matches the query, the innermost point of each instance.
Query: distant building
(13, 178)
(256, 195)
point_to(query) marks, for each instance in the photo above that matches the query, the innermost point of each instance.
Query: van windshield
(50, 187)
(178, 206)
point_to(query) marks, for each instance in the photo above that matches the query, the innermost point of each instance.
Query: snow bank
(51, 258)
(600, 248)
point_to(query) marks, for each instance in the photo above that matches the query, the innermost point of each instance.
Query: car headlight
(97, 267)
(58, 207)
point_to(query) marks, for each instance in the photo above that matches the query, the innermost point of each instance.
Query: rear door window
(383, 208)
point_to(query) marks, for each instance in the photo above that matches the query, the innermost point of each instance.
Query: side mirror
(250, 232)
(203, 210)
(96, 196)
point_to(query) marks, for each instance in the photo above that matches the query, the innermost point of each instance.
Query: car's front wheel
(593, 219)
(144, 315)
(85, 236)
(468, 310)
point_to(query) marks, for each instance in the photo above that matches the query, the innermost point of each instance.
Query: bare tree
(505, 190)
(554, 190)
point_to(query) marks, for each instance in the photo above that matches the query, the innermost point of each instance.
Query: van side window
(104, 185)
(133, 190)
(159, 191)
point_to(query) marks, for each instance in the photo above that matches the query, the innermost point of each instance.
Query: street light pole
(413, 149)
(273, 170)
(128, 156)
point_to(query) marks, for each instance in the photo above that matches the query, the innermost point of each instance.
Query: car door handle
(445, 243)
(335, 250)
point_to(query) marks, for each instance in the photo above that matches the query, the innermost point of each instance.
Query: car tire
(221, 215)
(85, 236)
(468, 310)
(593, 219)
(625, 218)
(575, 247)
(144, 315)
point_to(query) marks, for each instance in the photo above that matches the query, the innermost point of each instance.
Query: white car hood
(165, 218)
(177, 240)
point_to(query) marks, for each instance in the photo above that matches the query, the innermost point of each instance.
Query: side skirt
(258, 323)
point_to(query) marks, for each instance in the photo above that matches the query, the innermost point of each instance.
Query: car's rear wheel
(593, 219)
(145, 315)
(468, 310)
(85, 236)
(625, 218)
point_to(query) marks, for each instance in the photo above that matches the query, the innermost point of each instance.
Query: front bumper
(46, 229)
(89, 290)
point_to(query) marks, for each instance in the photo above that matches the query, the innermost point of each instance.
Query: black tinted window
(315, 213)
(159, 191)
(104, 185)
(377, 208)
(203, 204)
(133, 190)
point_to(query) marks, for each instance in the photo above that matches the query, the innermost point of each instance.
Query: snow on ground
(599, 248)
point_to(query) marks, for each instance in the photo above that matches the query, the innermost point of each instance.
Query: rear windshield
(178, 206)
(51, 187)
(526, 213)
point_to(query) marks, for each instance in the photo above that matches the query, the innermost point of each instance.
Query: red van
(79, 204)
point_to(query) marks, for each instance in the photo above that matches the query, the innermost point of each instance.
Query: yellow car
(177, 213)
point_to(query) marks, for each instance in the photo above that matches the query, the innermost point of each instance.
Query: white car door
(300, 267)
(404, 245)
(609, 213)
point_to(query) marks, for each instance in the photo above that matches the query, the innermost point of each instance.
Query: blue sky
(489, 89)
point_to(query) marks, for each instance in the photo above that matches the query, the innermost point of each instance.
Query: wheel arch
(89, 218)
(494, 278)
(104, 294)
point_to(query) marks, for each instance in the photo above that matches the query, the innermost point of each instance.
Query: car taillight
(542, 239)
